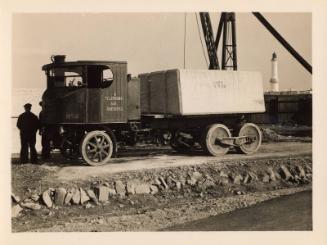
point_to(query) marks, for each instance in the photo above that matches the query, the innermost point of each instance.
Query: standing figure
(28, 124)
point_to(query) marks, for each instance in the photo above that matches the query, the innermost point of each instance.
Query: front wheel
(97, 147)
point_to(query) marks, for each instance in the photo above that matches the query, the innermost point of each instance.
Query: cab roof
(82, 63)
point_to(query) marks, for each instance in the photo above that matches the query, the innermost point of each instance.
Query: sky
(154, 41)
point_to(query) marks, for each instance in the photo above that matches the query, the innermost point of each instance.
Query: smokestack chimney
(58, 58)
(274, 82)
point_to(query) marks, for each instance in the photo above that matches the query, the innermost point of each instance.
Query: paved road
(288, 213)
(138, 160)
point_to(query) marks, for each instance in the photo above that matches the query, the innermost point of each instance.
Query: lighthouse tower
(274, 82)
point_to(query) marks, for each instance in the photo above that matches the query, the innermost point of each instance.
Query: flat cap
(28, 105)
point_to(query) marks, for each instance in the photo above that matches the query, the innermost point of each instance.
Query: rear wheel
(254, 138)
(212, 137)
(97, 147)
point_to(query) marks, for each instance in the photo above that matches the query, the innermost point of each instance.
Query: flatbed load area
(201, 92)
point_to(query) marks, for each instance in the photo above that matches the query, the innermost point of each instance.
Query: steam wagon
(97, 106)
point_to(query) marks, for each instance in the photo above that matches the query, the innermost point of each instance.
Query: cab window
(66, 77)
(99, 76)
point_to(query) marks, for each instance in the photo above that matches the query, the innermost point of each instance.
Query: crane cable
(184, 38)
(200, 36)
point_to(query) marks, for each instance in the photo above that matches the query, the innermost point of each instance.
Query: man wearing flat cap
(28, 124)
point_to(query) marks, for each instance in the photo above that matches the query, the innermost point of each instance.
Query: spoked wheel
(253, 138)
(212, 140)
(97, 147)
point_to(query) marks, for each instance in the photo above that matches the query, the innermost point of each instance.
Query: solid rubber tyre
(97, 147)
(211, 143)
(251, 130)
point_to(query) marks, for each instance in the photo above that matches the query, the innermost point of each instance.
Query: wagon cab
(85, 92)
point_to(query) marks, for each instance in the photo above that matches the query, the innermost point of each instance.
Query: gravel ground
(149, 219)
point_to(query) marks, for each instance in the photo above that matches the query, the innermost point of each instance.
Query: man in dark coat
(28, 124)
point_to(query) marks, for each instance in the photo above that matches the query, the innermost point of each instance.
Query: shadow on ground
(288, 213)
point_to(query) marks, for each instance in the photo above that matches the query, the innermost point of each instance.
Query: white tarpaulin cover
(198, 92)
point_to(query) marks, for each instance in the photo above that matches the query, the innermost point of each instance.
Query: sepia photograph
(190, 124)
(196, 121)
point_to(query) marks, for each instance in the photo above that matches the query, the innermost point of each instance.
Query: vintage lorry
(97, 106)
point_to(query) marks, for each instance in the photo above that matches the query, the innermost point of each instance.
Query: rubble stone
(130, 186)
(92, 196)
(308, 168)
(207, 184)
(35, 197)
(157, 181)
(30, 205)
(15, 198)
(253, 175)
(68, 197)
(265, 178)
(106, 184)
(224, 181)
(191, 181)
(112, 192)
(246, 179)
(300, 171)
(171, 182)
(223, 174)
(132, 202)
(178, 185)
(153, 189)
(158, 184)
(16, 210)
(237, 192)
(120, 188)
(286, 173)
(76, 196)
(60, 194)
(100, 221)
(297, 178)
(88, 205)
(47, 198)
(272, 174)
(103, 193)
(182, 180)
(163, 182)
(142, 189)
(277, 175)
(194, 177)
(237, 179)
(84, 196)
